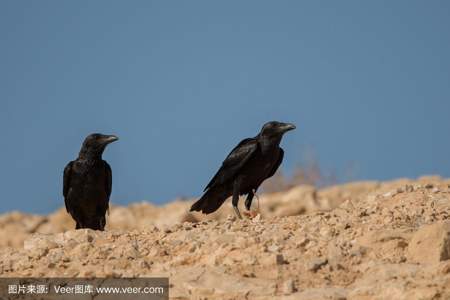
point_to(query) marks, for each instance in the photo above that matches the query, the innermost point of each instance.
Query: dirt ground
(362, 240)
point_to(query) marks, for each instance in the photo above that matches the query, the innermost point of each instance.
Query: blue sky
(181, 82)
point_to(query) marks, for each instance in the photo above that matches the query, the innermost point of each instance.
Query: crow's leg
(102, 223)
(248, 201)
(235, 201)
(257, 197)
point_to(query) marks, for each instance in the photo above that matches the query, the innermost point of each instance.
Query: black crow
(87, 183)
(251, 162)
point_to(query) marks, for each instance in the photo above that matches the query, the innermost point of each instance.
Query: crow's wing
(234, 162)
(278, 163)
(66, 183)
(108, 184)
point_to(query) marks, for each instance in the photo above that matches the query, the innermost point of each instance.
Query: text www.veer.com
(111, 290)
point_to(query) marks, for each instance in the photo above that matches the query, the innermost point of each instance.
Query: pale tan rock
(40, 241)
(430, 244)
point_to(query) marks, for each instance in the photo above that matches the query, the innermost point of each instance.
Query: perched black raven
(251, 162)
(87, 183)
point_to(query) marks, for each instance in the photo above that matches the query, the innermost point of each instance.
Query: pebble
(316, 264)
(289, 287)
(273, 248)
(280, 259)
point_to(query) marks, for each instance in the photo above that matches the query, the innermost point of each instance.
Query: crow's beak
(287, 127)
(110, 138)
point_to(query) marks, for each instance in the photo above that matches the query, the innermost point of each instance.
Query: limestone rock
(430, 244)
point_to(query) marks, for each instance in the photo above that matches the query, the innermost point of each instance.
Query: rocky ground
(366, 240)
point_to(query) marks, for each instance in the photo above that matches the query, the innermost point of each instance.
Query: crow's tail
(211, 200)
